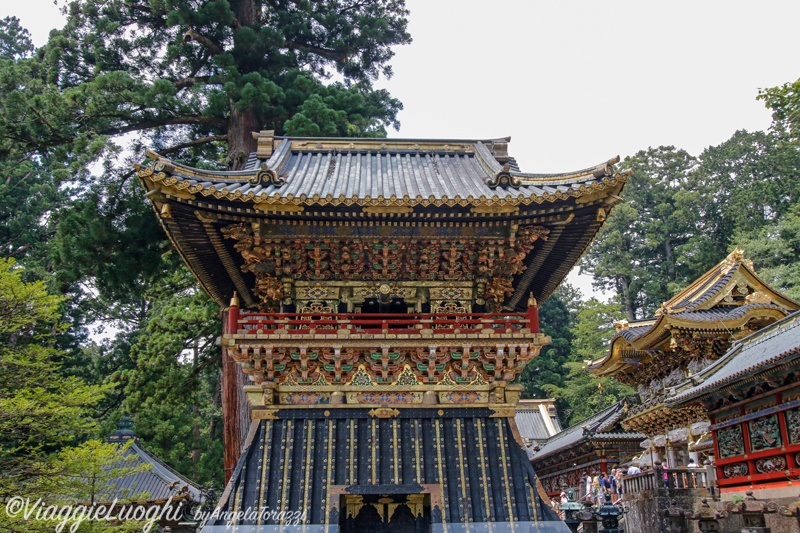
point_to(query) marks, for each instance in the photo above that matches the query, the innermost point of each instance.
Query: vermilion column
(231, 417)
(533, 315)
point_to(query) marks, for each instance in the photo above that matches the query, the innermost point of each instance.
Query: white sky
(575, 83)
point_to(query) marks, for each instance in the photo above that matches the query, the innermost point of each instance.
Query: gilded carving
(304, 398)
(429, 365)
(465, 363)
(385, 364)
(504, 179)
(267, 176)
(383, 259)
(384, 397)
(339, 364)
(793, 425)
(734, 470)
(305, 366)
(765, 433)
(384, 413)
(769, 465)
(382, 366)
(449, 308)
(463, 397)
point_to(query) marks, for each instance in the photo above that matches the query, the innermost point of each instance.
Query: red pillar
(533, 315)
(231, 389)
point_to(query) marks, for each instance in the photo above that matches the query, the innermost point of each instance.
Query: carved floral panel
(383, 259)
(734, 470)
(793, 425)
(765, 433)
(768, 465)
(731, 441)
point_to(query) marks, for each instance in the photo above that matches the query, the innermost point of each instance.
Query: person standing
(612, 482)
(597, 489)
(589, 486)
(604, 489)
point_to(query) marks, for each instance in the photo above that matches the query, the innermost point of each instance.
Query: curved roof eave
(228, 185)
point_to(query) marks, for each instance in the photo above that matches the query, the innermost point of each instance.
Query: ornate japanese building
(689, 334)
(593, 445)
(752, 397)
(536, 421)
(379, 297)
(149, 482)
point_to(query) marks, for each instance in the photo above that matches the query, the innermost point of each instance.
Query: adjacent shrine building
(379, 296)
(689, 333)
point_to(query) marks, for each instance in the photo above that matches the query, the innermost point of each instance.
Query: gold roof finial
(734, 257)
(235, 300)
(532, 301)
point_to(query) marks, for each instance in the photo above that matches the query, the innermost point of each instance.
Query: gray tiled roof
(724, 313)
(764, 348)
(321, 183)
(159, 481)
(707, 290)
(532, 426)
(591, 427)
(634, 332)
(357, 174)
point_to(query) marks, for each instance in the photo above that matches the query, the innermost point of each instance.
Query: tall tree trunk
(195, 434)
(670, 259)
(626, 297)
(242, 123)
(241, 126)
(195, 410)
(216, 401)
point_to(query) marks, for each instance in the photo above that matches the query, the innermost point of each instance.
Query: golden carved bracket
(383, 412)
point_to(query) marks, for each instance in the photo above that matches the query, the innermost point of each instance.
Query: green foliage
(775, 250)
(750, 180)
(594, 328)
(784, 101)
(583, 394)
(189, 74)
(15, 41)
(38, 407)
(556, 317)
(644, 250)
(680, 214)
(41, 411)
(27, 191)
(90, 472)
(191, 80)
(173, 385)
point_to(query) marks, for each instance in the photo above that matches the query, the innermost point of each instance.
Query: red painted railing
(362, 323)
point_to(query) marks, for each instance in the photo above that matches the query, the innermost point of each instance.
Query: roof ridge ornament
(265, 143)
(267, 176)
(504, 179)
(605, 170)
(729, 262)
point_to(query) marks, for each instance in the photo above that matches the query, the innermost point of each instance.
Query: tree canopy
(192, 80)
(41, 411)
(189, 74)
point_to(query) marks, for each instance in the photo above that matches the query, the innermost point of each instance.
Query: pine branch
(183, 83)
(208, 44)
(147, 124)
(333, 55)
(196, 142)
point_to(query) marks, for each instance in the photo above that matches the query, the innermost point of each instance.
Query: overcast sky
(575, 83)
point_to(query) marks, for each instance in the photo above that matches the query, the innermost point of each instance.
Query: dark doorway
(393, 306)
(373, 513)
